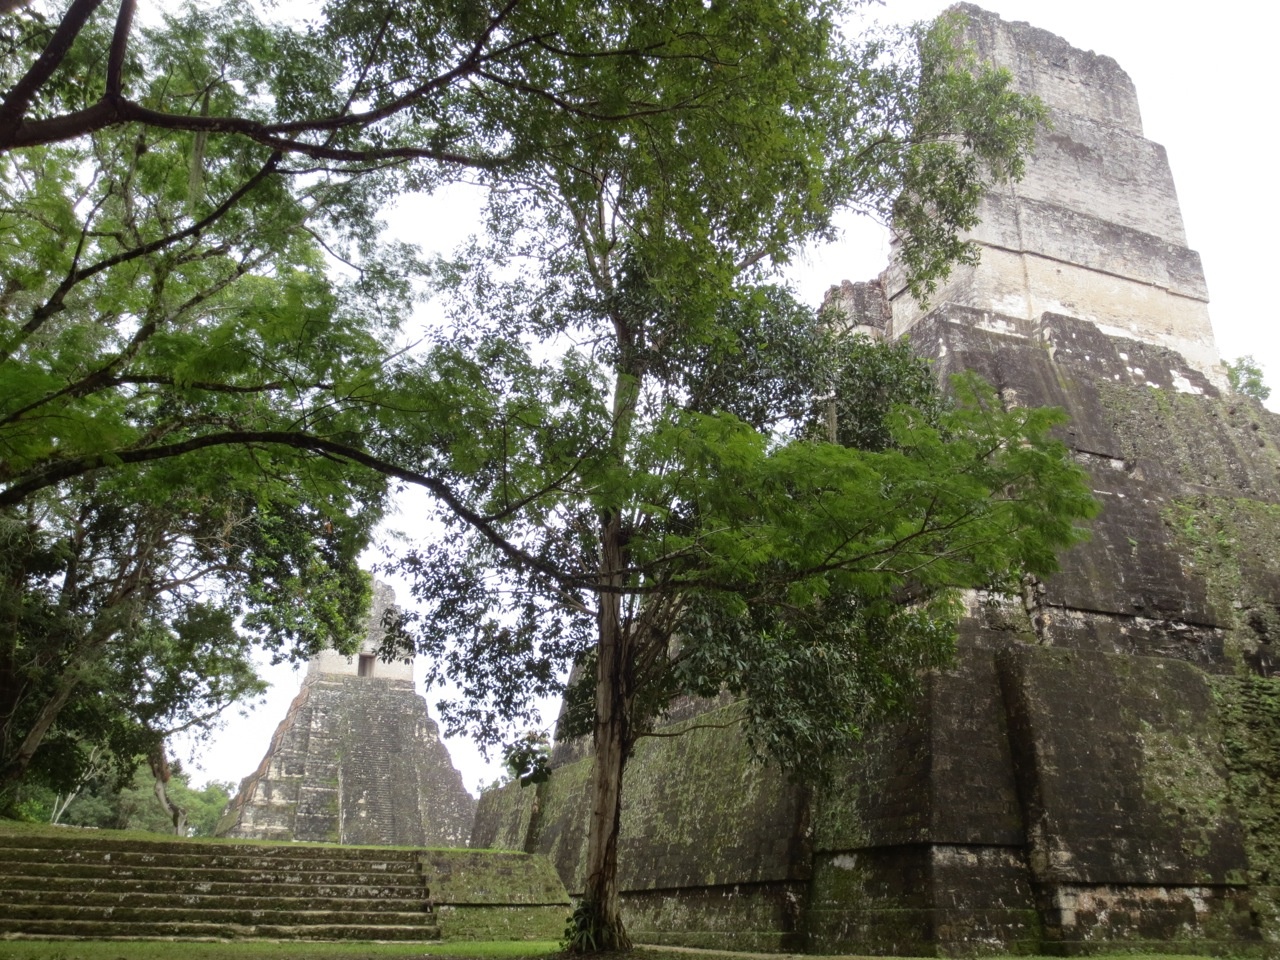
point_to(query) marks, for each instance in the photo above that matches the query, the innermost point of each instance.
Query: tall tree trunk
(602, 906)
(15, 767)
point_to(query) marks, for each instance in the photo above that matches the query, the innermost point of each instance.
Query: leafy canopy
(167, 310)
(624, 377)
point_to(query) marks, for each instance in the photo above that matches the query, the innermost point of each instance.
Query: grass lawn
(498, 950)
(260, 950)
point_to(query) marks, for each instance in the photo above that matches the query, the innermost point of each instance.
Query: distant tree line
(106, 804)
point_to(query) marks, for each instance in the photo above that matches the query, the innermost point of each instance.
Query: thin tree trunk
(93, 769)
(14, 768)
(612, 744)
(160, 770)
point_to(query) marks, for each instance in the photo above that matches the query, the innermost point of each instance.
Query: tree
(108, 802)
(639, 509)
(1245, 376)
(154, 325)
(632, 483)
(365, 83)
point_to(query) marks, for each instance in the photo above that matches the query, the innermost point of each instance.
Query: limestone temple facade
(355, 760)
(1099, 769)
(1093, 231)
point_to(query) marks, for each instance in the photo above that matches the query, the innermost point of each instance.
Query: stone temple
(1100, 768)
(355, 760)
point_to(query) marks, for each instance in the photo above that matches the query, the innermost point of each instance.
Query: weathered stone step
(188, 914)
(93, 840)
(143, 886)
(231, 899)
(225, 875)
(109, 930)
(57, 894)
(226, 860)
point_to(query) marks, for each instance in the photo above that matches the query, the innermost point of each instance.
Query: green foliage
(528, 758)
(1245, 376)
(107, 802)
(165, 302)
(1250, 711)
(584, 932)
(606, 422)
(871, 380)
(811, 578)
(636, 505)
(942, 181)
(133, 806)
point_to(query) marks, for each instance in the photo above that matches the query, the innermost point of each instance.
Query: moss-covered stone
(742, 814)
(748, 916)
(695, 786)
(504, 817)
(516, 922)
(557, 831)
(92, 884)
(85, 884)
(1250, 707)
(1121, 769)
(490, 878)
(1235, 543)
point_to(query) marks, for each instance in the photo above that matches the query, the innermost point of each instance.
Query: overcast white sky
(1207, 88)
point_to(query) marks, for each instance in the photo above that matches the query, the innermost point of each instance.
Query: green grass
(259, 950)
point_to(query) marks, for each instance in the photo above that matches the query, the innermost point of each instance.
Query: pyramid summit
(1093, 230)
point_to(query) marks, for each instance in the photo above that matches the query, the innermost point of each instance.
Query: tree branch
(696, 726)
(55, 302)
(79, 466)
(119, 46)
(19, 99)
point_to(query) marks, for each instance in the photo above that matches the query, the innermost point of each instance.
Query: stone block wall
(1250, 708)
(356, 759)
(1096, 769)
(488, 895)
(365, 661)
(713, 844)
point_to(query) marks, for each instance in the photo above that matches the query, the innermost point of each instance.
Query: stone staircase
(88, 886)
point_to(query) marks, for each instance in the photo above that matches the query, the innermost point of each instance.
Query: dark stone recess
(1119, 769)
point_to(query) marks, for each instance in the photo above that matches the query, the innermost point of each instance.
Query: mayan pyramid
(356, 759)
